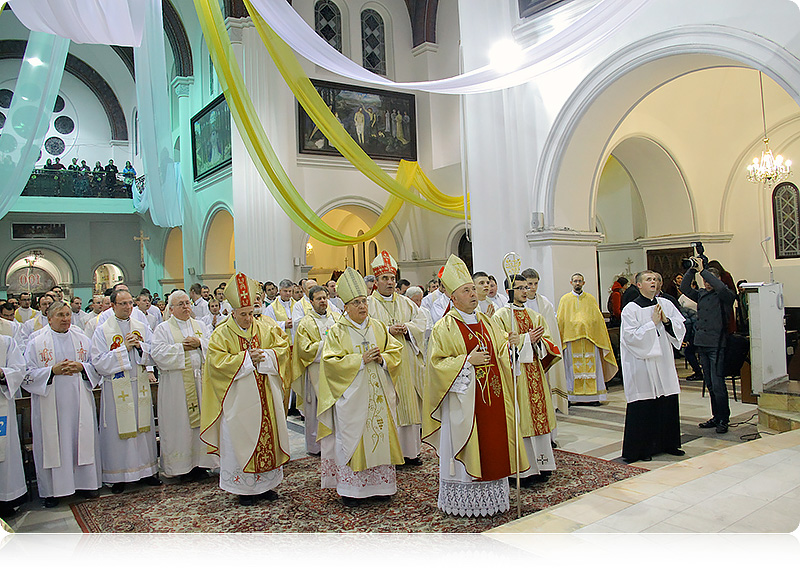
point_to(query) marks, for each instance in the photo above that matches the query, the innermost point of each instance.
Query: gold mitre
(455, 274)
(241, 291)
(350, 285)
(384, 264)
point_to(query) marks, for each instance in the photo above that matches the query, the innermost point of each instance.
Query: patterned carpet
(304, 507)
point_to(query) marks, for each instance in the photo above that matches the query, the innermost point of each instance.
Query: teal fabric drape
(28, 117)
(162, 195)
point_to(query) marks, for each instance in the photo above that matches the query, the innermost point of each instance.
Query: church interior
(623, 145)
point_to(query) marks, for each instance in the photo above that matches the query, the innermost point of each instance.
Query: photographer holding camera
(713, 304)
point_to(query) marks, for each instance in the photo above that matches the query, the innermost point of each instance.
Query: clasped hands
(257, 355)
(191, 343)
(132, 341)
(398, 329)
(373, 355)
(67, 367)
(658, 315)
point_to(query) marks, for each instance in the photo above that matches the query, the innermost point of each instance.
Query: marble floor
(741, 481)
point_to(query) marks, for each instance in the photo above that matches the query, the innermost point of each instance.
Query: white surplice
(648, 365)
(76, 434)
(181, 447)
(124, 460)
(12, 475)
(26, 330)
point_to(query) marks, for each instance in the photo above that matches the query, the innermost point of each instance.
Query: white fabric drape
(162, 194)
(597, 24)
(109, 22)
(28, 117)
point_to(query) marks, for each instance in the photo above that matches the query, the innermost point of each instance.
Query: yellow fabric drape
(266, 160)
(323, 117)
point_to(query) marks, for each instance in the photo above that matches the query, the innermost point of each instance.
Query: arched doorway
(220, 248)
(106, 276)
(327, 260)
(173, 260)
(37, 271)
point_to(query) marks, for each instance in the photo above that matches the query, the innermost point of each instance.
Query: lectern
(767, 334)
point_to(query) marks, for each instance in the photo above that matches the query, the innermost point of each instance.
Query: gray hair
(176, 296)
(55, 307)
(286, 283)
(413, 291)
(369, 279)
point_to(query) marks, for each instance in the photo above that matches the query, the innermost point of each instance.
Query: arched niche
(349, 219)
(173, 256)
(220, 248)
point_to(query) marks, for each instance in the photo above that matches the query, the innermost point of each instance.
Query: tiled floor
(723, 484)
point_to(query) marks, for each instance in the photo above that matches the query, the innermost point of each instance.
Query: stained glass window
(328, 23)
(373, 42)
(786, 220)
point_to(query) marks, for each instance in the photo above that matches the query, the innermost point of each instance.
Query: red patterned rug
(304, 507)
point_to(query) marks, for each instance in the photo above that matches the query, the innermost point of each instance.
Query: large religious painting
(211, 138)
(531, 7)
(38, 231)
(383, 123)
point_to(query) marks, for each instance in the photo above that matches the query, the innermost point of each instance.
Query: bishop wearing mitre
(242, 416)
(407, 325)
(357, 406)
(468, 407)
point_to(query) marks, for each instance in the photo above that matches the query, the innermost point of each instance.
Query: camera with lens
(699, 251)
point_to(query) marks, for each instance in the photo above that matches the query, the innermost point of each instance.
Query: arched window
(786, 220)
(373, 42)
(328, 23)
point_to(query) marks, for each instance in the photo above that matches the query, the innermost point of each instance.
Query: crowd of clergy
(372, 366)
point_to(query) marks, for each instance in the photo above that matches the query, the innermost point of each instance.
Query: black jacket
(712, 306)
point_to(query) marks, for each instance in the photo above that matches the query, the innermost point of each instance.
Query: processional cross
(141, 239)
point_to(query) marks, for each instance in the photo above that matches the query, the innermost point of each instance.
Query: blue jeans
(712, 361)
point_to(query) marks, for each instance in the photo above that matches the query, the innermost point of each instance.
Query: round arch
(114, 270)
(173, 255)
(63, 266)
(620, 83)
(219, 249)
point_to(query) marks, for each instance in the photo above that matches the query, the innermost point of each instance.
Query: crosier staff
(512, 264)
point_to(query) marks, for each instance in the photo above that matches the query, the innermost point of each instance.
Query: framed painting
(383, 123)
(38, 231)
(211, 138)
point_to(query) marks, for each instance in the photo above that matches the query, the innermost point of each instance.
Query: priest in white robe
(179, 349)
(60, 379)
(485, 305)
(79, 317)
(121, 354)
(25, 312)
(280, 310)
(306, 354)
(13, 490)
(38, 322)
(651, 327)
(357, 401)
(215, 316)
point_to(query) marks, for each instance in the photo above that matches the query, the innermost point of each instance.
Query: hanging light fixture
(770, 169)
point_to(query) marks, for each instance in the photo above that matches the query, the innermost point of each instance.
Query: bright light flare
(505, 55)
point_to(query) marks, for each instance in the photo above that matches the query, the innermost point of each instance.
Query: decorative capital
(181, 86)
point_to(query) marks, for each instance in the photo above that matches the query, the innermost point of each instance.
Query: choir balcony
(73, 184)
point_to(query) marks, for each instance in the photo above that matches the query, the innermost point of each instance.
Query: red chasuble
(263, 459)
(490, 412)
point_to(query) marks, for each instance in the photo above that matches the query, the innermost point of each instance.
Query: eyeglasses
(522, 288)
(359, 301)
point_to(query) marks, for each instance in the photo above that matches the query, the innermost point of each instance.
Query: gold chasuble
(481, 418)
(260, 441)
(368, 430)
(581, 322)
(537, 415)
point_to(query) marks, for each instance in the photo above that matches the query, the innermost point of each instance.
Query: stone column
(263, 232)
(192, 219)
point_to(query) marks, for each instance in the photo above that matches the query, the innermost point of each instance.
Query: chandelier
(769, 169)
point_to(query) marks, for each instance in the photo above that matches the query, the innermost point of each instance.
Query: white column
(263, 232)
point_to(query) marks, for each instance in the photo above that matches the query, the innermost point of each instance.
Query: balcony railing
(72, 184)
